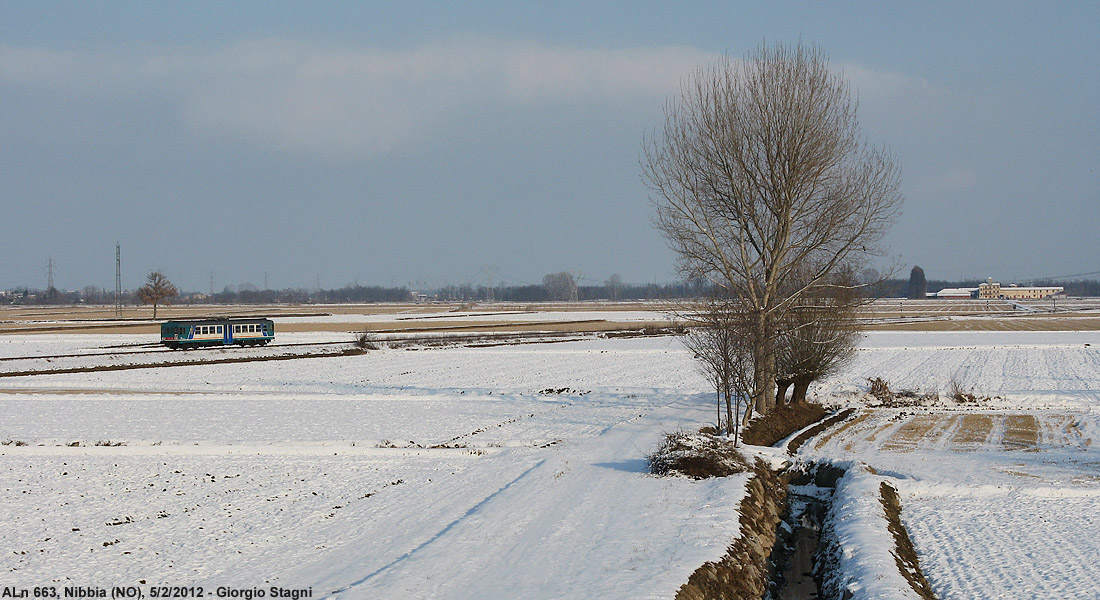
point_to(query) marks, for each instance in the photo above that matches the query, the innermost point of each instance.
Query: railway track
(278, 352)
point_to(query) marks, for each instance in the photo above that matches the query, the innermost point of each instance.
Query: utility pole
(491, 271)
(118, 280)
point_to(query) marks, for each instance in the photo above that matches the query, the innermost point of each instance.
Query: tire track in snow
(469, 513)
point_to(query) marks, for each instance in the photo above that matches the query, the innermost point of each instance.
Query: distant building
(958, 293)
(991, 290)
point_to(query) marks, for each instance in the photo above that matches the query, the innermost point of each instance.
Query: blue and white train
(217, 332)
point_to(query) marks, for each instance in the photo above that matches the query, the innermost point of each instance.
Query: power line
(1057, 277)
(118, 280)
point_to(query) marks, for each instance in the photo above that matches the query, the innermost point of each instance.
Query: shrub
(958, 394)
(366, 341)
(697, 455)
(880, 389)
(781, 422)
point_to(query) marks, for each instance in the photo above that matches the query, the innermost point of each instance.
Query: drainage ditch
(796, 573)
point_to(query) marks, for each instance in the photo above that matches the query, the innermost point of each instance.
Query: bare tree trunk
(781, 391)
(764, 381)
(798, 396)
(730, 421)
(736, 425)
(718, 403)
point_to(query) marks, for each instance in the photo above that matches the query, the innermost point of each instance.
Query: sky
(427, 144)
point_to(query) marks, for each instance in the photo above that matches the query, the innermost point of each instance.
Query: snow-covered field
(1001, 499)
(513, 471)
(518, 471)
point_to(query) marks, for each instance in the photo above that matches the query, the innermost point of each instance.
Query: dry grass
(696, 455)
(1013, 323)
(905, 554)
(743, 573)
(909, 436)
(796, 443)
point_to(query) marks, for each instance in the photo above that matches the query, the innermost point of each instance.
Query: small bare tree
(761, 178)
(719, 336)
(157, 289)
(614, 285)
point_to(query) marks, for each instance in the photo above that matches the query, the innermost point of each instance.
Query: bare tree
(157, 289)
(719, 336)
(819, 338)
(614, 285)
(560, 286)
(761, 179)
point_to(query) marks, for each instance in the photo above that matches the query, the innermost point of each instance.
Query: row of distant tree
(555, 287)
(890, 288)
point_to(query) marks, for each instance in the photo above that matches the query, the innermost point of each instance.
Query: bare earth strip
(1018, 323)
(910, 435)
(839, 431)
(973, 432)
(1021, 433)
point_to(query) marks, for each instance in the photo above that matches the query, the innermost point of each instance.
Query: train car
(217, 332)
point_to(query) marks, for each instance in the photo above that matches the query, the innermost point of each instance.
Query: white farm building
(992, 290)
(957, 293)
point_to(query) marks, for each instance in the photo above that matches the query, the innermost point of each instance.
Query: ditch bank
(815, 530)
(744, 572)
(865, 550)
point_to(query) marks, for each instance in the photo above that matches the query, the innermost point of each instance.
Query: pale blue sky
(393, 142)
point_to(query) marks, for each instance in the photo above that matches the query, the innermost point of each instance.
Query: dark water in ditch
(796, 578)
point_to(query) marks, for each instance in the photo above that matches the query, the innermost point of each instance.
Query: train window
(219, 329)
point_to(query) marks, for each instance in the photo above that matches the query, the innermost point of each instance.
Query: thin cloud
(340, 101)
(353, 102)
